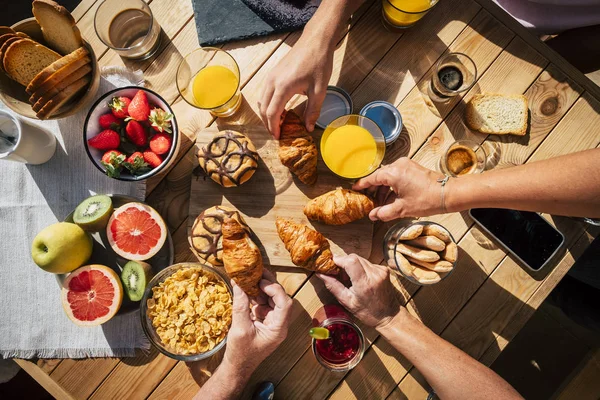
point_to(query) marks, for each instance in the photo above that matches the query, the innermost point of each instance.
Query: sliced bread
(6, 29)
(63, 97)
(3, 48)
(45, 74)
(498, 114)
(24, 59)
(58, 26)
(38, 99)
(6, 36)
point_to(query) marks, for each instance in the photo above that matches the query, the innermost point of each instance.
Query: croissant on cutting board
(308, 248)
(339, 207)
(241, 257)
(297, 149)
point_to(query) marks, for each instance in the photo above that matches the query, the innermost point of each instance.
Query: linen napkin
(32, 320)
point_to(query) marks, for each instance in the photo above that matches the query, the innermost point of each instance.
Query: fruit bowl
(104, 255)
(14, 96)
(92, 128)
(150, 331)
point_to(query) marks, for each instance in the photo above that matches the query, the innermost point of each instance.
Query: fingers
(352, 265)
(268, 275)
(265, 100)
(274, 110)
(377, 178)
(260, 312)
(276, 293)
(313, 107)
(387, 212)
(341, 292)
(241, 307)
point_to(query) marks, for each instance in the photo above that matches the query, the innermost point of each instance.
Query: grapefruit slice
(136, 231)
(91, 295)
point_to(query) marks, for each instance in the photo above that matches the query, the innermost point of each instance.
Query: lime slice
(319, 333)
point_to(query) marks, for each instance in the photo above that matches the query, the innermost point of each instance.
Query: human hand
(372, 297)
(256, 332)
(306, 69)
(403, 189)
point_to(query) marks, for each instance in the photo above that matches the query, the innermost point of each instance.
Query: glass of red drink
(345, 346)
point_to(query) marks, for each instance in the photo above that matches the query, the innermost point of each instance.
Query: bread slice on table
(6, 29)
(5, 46)
(24, 59)
(58, 26)
(498, 114)
(56, 66)
(4, 37)
(63, 97)
(38, 100)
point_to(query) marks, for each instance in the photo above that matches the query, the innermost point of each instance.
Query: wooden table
(486, 301)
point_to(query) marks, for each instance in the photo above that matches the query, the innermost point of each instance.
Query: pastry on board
(339, 207)
(297, 149)
(241, 257)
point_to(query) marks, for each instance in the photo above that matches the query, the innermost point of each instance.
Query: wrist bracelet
(443, 181)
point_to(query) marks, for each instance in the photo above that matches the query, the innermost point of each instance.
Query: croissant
(297, 149)
(241, 257)
(308, 248)
(339, 207)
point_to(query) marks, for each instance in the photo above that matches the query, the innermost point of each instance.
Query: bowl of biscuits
(423, 252)
(47, 70)
(186, 311)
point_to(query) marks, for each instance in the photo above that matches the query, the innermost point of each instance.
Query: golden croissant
(297, 149)
(339, 207)
(308, 248)
(241, 257)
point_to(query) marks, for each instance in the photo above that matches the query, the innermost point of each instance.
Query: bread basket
(14, 96)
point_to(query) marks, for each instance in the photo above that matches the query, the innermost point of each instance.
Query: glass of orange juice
(352, 146)
(400, 14)
(209, 78)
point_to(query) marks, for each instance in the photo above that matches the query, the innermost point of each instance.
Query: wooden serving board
(274, 192)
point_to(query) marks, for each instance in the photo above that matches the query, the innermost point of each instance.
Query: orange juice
(349, 151)
(214, 86)
(404, 13)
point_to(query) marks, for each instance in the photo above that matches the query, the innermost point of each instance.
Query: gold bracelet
(443, 181)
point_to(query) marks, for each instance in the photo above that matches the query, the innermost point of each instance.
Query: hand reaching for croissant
(403, 189)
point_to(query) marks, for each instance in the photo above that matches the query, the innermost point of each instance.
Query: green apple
(61, 248)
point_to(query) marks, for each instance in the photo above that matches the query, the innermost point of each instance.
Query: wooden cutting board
(273, 192)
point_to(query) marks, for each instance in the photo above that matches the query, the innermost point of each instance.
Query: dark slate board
(220, 21)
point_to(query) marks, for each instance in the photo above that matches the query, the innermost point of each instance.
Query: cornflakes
(190, 311)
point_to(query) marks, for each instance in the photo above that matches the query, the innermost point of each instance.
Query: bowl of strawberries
(131, 134)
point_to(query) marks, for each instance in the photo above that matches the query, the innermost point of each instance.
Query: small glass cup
(463, 157)
(402, 14)
(339, 164)
(31, 145)
(390, 243)
(454, 73)
(190, 83)
(128, 27)
(341, 327)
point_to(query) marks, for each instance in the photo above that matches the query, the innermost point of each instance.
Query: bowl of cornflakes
(186, 311)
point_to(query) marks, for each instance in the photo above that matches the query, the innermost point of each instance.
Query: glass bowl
(363, 122)
(391, 240)
(147, 323)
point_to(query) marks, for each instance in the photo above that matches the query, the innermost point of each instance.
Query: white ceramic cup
(29, 145)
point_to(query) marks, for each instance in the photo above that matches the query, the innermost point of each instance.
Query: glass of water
(128, 27)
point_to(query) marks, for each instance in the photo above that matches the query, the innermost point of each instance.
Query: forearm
(567, 185)
(228, 382)
(452, 373)
(329, 19)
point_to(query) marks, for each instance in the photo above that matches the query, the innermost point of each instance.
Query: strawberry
(113, 161)
(109, 121)
(135, 163)
(119, 106)
(105, 140)
(160, 120)
(152, 158)
(136, 133)
(160, 143)
(139, 109)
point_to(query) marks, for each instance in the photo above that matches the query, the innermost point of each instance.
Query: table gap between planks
(488, 298)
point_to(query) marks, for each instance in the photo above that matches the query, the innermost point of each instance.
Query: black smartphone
(526, 235)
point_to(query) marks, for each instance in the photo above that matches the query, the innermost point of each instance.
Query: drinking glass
(454, 73)
(401, 14)
(192, 79)
(463, 157)
(128, 27)
(24, 143)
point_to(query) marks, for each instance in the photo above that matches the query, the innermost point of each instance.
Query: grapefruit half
(136, 231)
(92, 295)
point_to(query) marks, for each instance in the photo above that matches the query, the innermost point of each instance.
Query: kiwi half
(93, 213)
(135, 277)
